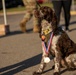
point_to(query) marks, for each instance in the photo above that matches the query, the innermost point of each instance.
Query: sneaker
(23, 27)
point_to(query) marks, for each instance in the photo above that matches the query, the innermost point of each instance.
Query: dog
(60, 46)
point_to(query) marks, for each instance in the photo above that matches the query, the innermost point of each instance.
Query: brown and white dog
(62, 48)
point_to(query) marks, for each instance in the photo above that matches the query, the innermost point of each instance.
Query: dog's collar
(46, 27)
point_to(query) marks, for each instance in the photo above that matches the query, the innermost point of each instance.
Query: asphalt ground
(20, 53)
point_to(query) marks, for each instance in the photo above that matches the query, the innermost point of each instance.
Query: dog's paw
(36, 73)
(56, 73)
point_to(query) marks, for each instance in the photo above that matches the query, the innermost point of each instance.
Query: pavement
(73, 12)
(20, 53)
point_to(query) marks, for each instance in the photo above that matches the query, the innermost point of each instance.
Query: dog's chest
(54, 43)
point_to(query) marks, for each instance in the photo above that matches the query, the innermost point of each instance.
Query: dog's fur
(63, 49)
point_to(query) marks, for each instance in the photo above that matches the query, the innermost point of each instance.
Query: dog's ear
(37, 15)
(54, 21)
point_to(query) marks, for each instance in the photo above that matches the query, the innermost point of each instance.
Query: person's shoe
(36, 29)
(23, 27)
(67, 29)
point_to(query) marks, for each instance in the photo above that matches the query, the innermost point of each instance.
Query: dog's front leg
(57, 60)
(41, 67)
(42, 64)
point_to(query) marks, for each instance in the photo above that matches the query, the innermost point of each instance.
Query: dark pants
(66, 4)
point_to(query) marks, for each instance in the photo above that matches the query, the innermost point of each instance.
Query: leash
(38, 4)
(46, 49)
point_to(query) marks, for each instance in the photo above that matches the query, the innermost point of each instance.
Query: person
(66, 5)
(31, 7)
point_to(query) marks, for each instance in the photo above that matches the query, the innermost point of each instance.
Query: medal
(46, 59)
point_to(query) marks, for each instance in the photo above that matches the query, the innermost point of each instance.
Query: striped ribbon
(46, 49)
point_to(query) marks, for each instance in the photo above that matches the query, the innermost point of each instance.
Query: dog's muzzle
(46, 27)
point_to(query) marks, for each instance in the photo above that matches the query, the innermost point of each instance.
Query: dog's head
(48, 20)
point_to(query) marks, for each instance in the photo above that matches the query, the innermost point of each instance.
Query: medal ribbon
(46, 49)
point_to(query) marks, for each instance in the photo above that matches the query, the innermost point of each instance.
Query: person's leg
(24, 21)
(35, 25)
(67, 7)
(57, 7)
